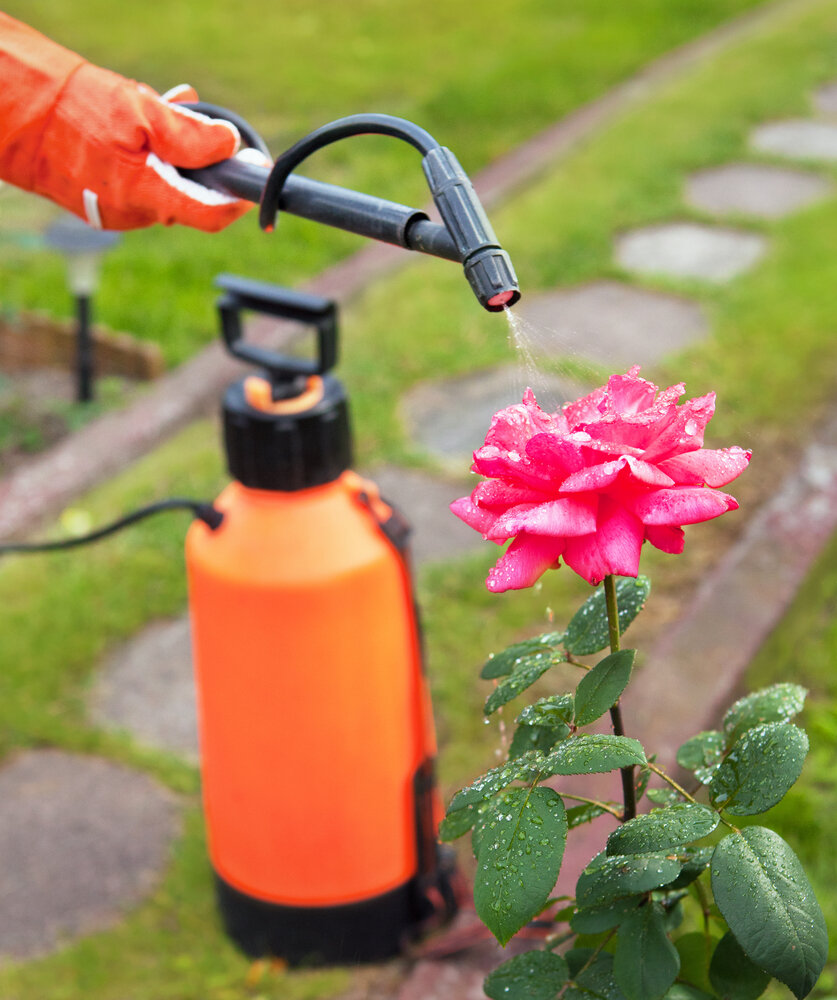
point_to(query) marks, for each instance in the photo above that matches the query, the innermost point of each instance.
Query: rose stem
(628, 789)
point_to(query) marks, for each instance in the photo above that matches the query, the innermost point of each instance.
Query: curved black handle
(284, 303)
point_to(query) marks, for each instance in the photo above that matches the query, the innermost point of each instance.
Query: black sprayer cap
(287, 451)
(289, 428)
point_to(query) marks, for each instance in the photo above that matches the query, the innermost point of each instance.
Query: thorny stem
(628, 788)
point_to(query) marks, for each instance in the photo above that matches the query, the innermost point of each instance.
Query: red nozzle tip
(501, 298)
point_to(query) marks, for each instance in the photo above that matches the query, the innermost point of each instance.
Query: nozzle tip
(501, 299)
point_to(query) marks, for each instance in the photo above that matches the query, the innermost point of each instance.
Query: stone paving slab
(756, 189)
(797, 139)
(147, 688)
(81, 841)
(610, 323)
(689, 250)
(449, 417)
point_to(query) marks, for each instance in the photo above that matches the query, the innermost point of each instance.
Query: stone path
(81, 841)
(71, 860)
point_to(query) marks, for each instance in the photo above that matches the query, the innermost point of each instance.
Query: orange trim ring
(259, 394)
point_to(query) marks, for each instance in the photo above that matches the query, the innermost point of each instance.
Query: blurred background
(669, 222)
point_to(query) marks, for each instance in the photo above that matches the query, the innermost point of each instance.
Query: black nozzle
(488, 267)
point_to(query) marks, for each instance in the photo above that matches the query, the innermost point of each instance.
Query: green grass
(480, 78)
(772, 333)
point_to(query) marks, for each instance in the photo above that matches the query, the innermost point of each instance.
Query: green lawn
(772, 333)
(480, 77)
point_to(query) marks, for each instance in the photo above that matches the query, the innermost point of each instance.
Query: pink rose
(592, 482)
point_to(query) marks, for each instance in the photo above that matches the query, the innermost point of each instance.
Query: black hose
(341, 128)
(205, 512)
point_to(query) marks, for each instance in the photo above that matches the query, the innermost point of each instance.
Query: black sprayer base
(367, 931)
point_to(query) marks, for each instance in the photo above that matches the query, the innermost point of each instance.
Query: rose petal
(687, 505)
(564, 517)
(555, 457)
(644, 472)
(628, 393)
(494, 494)
(475, 517)
(595, 477)
(526, 559)
(511, 467)
(684, 431)
(707, 467)
(613, 548)
(665, 539)
(589, 407)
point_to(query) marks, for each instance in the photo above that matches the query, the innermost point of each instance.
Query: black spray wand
(465, 236)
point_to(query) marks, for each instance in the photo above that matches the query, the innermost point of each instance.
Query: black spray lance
(466, 234)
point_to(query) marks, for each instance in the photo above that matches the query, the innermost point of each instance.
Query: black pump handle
(285, 303)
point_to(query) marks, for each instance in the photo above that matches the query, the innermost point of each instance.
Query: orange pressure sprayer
(317, 740)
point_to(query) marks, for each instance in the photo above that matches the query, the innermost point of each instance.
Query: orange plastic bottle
(316, 733)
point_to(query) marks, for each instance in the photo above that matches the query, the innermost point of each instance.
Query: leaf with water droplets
(534, 975)
(646, 963)
(522, 768)
(663, 829)
(664, 796)
(695, 862)
(702, 754)
(456, 823)
(526, 671)
(593, 753)
(766, 899)
(600, 688)
(594, 981)
(556, 710)
(595, 919)
(519, 857)
(759, 769)
(777, 703)
(579, 815)
(588, 630)
(733, 975)
(609, 878)
(500, 664)
(540, 738)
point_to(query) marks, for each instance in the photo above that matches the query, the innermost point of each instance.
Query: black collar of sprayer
(294, 433)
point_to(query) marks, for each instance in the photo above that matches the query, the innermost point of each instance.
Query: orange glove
(104, 147)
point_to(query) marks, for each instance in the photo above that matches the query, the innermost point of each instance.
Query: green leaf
(597, 981)
(540, 738)
(646, 963)
(702, 754)
(588, 632)
(595, 919)
(778, 703)
(600, 688)
(664, 796)
(457, 823)
(695, 861)
(759, 769)
(609, 878)
(593, 754)
(768, 903)
(522, 768)
(534, 975)
(663, 829)
(579, 815)
(526, 671)
(556, 710)
(519, 859)
(502, 663)
(733, 975)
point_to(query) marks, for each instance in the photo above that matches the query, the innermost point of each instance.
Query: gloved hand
(102, 146)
